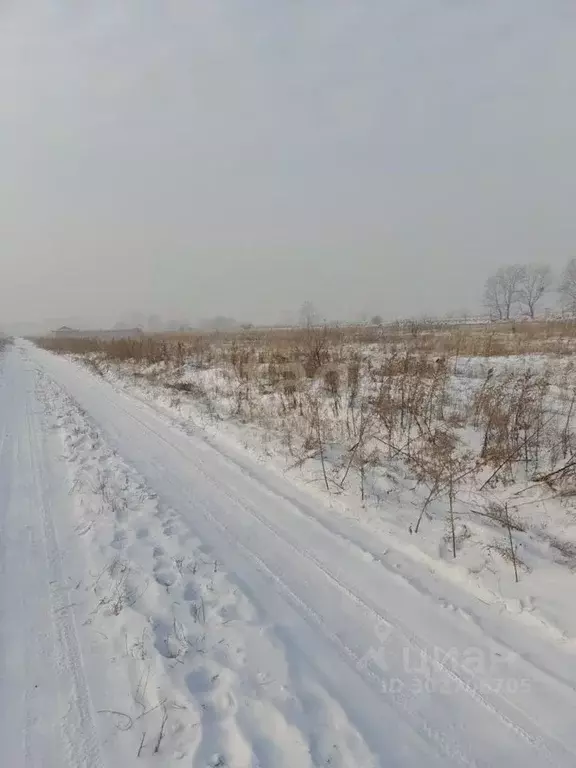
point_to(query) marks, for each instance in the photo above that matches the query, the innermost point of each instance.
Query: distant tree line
(519, 289)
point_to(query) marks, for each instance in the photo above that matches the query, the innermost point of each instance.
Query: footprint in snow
(191, 593)
(201, 681)
(166, 578)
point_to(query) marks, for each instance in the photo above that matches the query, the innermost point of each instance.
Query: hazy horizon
(192, 160)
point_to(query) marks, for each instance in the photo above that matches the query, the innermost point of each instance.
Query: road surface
(408, 681)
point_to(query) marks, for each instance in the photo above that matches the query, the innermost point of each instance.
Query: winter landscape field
(312, 547)
(288, 384)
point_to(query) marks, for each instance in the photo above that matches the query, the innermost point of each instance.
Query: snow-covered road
(328, 654)
(41, 668)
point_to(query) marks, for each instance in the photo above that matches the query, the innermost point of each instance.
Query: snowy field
(184, 585)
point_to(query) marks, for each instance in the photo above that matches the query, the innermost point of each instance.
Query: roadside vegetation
(472, 421)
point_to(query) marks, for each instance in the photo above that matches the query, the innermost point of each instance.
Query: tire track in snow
(79, 726)
(377, 613)
(46, 716)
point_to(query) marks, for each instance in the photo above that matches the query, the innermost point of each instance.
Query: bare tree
(494, 298)
(568, 287)
(534, 282)
(501, 291)
(308, 315)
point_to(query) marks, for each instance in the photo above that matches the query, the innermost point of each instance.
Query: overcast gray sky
(196, 157)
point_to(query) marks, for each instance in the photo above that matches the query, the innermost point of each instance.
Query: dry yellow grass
(449, 406)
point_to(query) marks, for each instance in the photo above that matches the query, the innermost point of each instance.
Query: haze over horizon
(195, 159)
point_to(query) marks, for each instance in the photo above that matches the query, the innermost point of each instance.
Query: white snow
(167, 600)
